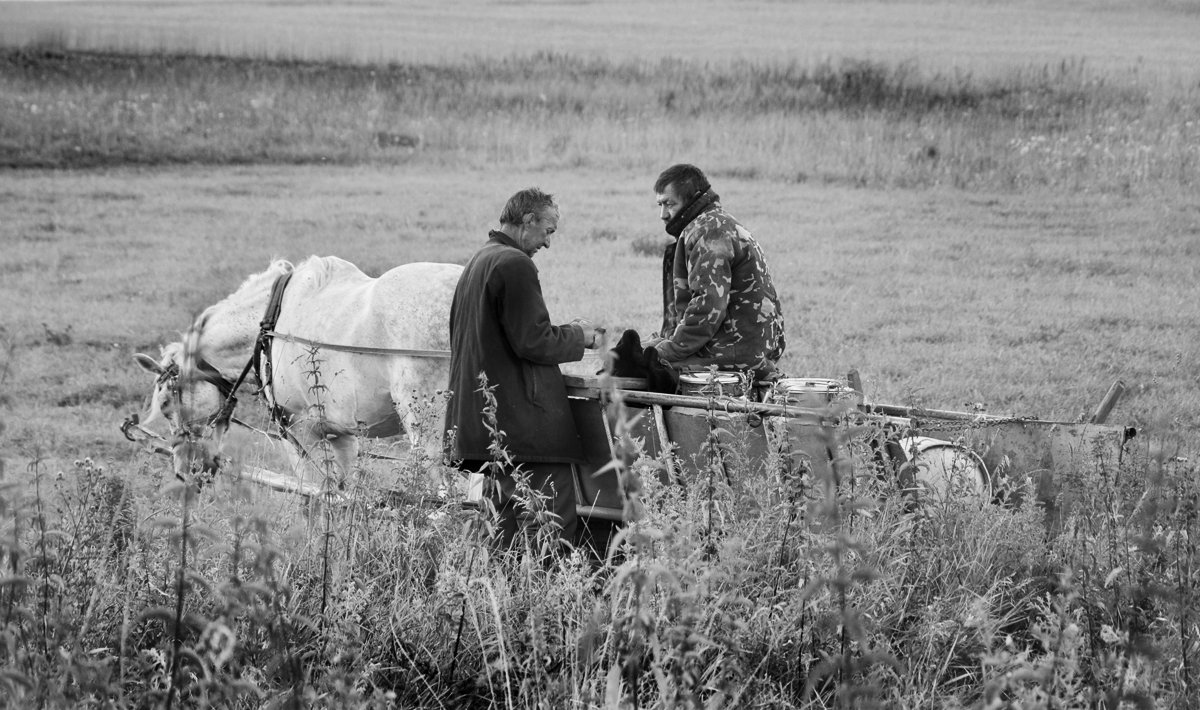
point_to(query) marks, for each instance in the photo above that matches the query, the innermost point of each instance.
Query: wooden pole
(1110, 400)
(664, 438)
(919, 412)
(728, 404)
(855, 380)
(721, 404)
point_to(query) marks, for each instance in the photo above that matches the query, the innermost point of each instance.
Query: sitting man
(719, 304)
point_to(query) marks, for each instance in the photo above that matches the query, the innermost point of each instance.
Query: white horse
(349, 355)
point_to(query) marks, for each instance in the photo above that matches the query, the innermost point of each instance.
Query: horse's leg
(423, 414)
(423, 438)
(345, 448)
(296, 458)
(322, 451)
(305, 454)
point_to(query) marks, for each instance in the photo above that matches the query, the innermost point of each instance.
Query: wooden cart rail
(677, 427)
(741, 406)
(1015, 448)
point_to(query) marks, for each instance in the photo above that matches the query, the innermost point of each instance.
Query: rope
(358, 349)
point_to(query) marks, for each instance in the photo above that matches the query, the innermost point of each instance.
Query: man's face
(670, 202)
(535, 232)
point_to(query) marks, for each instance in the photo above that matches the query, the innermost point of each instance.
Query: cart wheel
(937, 471)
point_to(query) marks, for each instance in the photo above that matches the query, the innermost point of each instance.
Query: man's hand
(591, 335)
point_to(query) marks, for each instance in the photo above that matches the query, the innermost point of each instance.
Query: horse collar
(262, 345)
(274, 303)
(260, 359)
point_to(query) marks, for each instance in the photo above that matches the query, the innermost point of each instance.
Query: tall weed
(802, 584)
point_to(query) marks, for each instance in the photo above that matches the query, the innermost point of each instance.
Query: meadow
(1119, 38)
(1007, 231)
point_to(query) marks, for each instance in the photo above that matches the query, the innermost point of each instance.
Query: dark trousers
(556, 481)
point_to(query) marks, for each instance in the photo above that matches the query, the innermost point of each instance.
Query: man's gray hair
(531, 200)
(688, 180)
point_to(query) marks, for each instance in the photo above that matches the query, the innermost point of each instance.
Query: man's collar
(699, 205)
(498, 236)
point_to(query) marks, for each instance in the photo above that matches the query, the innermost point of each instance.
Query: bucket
(940, 470)
(472, 487)
(814, 392)
(712, 384)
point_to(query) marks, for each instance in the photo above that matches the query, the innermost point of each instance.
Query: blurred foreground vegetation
(774, 588)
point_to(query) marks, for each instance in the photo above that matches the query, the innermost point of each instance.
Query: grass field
(1117, 37)
(1031, 304)
(970, 203)
(850, 121)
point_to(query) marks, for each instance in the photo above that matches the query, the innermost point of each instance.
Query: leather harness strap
(359, 349)
(262, 345)
(260, 358)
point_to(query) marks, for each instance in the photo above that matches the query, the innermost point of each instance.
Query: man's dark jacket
(499, 325)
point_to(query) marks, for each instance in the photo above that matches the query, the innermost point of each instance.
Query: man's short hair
(531, 200)
(687, 179)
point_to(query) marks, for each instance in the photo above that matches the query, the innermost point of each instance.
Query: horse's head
(195, 401)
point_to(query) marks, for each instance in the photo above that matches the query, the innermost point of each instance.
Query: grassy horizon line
(855, 122)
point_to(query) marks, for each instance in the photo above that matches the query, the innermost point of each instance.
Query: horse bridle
(206, 372)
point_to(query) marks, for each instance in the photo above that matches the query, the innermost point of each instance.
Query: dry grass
(1030, 304)
(938, 297)
(977, 37)
(1041, 243)
(775, 588)
(850, 122)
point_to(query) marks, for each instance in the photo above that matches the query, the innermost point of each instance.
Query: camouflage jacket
(719, 304)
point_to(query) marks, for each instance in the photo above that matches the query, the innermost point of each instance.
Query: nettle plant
(794, 585)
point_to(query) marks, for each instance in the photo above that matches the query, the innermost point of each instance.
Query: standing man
(719, 304)
(499, 326)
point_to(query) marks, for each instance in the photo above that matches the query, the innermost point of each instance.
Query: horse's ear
(148, 363)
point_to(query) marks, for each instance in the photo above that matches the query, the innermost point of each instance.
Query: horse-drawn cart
(815, 422)
(326, 391)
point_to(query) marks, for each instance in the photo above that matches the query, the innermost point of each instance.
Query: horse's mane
(256, 287)
(276, 268)
(252, 286)
(171, 353)
(322, 269)
(258, 281)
